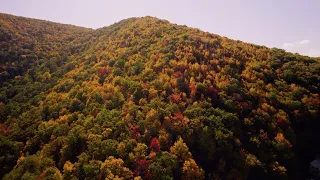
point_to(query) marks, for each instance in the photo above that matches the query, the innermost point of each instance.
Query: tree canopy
(148, 99)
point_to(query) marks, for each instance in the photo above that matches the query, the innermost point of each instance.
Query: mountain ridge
(38, 19)
(133, 18)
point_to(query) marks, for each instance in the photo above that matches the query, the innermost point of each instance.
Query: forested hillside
(26, 42)
(147, 99)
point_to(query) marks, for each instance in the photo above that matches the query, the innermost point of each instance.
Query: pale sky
(293, 25)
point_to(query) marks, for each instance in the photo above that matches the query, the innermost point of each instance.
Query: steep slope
(25, 42)
(153, 99)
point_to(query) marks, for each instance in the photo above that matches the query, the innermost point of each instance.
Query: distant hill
(25, 41)
(148, 99)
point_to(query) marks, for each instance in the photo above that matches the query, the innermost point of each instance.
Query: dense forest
(148, 99)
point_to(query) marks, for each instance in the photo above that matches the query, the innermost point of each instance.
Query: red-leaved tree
(155, 145)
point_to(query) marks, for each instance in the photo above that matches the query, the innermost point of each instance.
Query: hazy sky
(293, 25)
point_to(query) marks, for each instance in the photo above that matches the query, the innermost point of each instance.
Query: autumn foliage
(148, 99)
(155, 145)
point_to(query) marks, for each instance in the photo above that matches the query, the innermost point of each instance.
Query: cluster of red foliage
(103, 72)
(157, 56)
(281, 122)
(165, 43)
(314, 101)
(177, 74)
(212, 90)
(296, 112)
(4, 130)
(176, 98)
(245, 105)
(178, 116)
(263, 135)
(142, 169)
(243, 152)
(42, 175)
(155, 145)
(134, 130)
